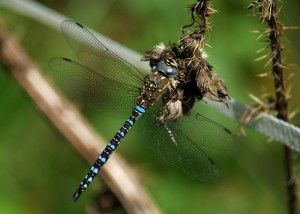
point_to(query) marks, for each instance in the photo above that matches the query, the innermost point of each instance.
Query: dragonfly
(105, 81)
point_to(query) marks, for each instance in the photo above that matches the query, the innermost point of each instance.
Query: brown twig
(269, 13)
(120, 178)
(281, 101)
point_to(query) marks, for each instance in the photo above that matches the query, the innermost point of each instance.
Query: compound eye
(170, 72)
(165, 69)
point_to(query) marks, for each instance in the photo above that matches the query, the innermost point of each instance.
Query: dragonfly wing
(91, 88)
(205, 132)
(185, 154)
(93, 54)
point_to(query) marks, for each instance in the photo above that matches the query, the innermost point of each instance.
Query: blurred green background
(40, 171)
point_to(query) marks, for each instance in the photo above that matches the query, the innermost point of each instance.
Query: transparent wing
(191, 133)
(207, 133)
(94, 55)
(96, 91)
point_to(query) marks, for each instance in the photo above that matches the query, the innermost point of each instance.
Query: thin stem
(281, 102)
(269, 13)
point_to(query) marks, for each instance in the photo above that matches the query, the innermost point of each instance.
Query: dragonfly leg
(171, 134)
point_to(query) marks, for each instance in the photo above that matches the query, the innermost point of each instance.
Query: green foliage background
(40, 171)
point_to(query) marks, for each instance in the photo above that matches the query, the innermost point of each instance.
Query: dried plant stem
(118, 175)
(281, 105)
(268, 12)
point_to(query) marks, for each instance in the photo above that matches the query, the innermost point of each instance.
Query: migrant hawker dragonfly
(105, 81)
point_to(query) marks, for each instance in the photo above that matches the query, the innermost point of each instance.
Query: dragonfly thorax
(154, 86)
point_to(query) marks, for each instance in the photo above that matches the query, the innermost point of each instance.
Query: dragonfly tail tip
(76, 195)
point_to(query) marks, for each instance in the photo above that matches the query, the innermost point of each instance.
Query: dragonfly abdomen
(138, 111)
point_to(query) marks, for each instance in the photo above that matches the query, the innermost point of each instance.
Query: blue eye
(165, 69)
